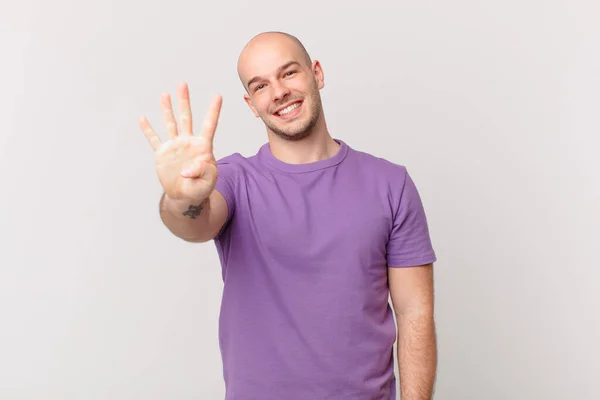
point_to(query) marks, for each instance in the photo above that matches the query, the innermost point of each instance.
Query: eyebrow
(284, 66)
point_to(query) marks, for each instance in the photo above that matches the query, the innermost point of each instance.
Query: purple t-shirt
(304, 254)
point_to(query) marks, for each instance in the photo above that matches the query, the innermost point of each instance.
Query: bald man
(313, 237)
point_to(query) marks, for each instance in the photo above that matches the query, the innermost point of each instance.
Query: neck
(317, 146)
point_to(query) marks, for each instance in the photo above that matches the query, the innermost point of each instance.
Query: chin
(296, 131)
(292, 136)
(297, 128)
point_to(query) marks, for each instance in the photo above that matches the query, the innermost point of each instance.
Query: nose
(280, 92)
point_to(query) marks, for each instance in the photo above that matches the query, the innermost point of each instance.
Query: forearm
(417, 355)
(190, 222)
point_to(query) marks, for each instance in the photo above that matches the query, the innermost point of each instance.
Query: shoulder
(233, 159)
(239, 169)
(236, 163)
(380, 169)
(386, 178)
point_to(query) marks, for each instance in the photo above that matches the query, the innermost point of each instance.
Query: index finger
(211, 119)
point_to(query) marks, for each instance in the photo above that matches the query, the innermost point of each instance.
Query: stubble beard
(299, 130)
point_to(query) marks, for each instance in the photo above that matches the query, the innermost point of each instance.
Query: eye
(258, 87)
(289, 73)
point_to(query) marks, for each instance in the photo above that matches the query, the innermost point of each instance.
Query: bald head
(264, 47)
(282, 85)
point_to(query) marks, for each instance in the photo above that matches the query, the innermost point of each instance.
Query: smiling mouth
(290, 110)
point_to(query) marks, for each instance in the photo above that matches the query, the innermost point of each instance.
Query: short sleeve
(410, 242)
(226, 185)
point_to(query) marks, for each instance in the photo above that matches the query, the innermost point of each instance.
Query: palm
(185, 163)
(174, 156)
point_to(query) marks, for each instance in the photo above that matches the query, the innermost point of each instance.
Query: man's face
(283, 90)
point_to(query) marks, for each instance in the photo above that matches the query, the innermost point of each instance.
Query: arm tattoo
(194, 211)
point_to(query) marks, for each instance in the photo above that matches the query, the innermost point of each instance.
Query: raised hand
(185, 163)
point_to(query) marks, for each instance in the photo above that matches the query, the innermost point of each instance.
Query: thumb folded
(193, 169)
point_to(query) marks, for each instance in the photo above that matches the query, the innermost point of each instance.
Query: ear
(249, 102)
(318, 73)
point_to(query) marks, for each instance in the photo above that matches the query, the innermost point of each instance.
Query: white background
(492, 106)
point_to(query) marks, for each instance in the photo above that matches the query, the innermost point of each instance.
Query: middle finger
(185, 111)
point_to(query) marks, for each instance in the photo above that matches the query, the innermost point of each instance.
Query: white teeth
(289, 109)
